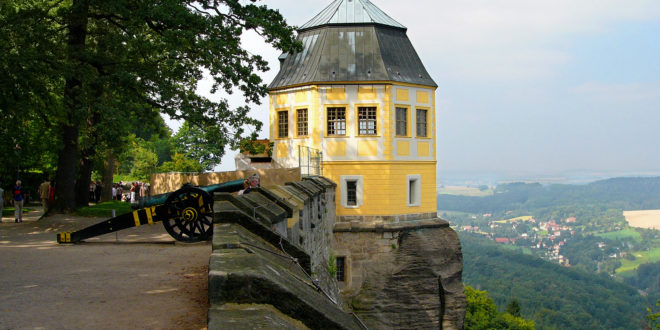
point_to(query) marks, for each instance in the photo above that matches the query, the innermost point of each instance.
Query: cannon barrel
(229, 186)
(186, 213)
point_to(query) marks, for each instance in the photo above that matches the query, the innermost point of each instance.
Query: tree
(653, 318)
(481, 313)
(180, 163)
(513, 308)
(92, 59)
(202, 145)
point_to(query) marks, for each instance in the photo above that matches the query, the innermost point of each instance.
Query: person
(18, 202)
(2, 201)
(91, 191)
(133, 192)
(245, 186)
(253, 182)
(120, 192)
(98, 187)
(44, 193)
(51, 193)
(114, 191)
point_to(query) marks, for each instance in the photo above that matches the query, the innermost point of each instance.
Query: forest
(579, 229)
(554, 297)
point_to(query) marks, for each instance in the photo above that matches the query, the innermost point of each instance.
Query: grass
(623, 234)
(641, 257)
(9, 211)
(105, 209)
(523, 218)
(464, 191)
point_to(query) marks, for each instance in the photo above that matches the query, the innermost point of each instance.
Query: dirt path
(136, 278)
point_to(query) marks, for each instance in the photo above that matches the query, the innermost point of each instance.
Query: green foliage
(180, 163)
(481, 313)
(332, 265)
(105, 209)
(256, 147)
(551, 295)
(653, 317)
(144, 163)
(513, 307)
(204, 145)
(86, 73)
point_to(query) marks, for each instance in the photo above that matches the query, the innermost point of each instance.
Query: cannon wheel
(191, 215)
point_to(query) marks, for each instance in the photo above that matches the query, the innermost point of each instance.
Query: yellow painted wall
(367, 93)
(301, 97)
(402, 95)
(336, 148)
(422, 97)
(282, 150)
(402, 148)
(335, 94)
(384, 186)
(367, 148)
(423, 149)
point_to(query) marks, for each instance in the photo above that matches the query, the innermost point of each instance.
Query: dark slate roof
(352, 52)
(351, 12)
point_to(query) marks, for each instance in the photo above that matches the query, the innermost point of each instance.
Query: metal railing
(310, 161)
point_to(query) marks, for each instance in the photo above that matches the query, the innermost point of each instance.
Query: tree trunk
(65, 197)
(108, 175)
(84, 177)
(65, 194)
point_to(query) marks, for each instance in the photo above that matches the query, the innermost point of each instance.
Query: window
(367, 121)
(414, 190)
(301, 122)
(337, 121)
(421, 122)
(282, 124)
(401, 121)
(340, 262)
(351, 191)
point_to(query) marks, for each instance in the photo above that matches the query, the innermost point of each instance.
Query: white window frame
(416, 198)
(358, 190)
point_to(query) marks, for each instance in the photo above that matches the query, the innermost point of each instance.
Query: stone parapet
(386, 218)
(271, 249)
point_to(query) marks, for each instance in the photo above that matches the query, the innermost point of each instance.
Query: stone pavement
(135, 278)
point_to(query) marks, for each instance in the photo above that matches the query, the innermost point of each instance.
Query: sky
(533, 87)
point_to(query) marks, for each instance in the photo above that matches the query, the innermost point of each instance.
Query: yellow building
(359, 93)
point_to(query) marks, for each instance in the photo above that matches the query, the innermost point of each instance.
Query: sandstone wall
(403, 276)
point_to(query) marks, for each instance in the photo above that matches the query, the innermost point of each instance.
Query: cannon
(186, 213)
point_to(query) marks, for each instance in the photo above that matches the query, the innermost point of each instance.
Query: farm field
(643, 218)
(621, 234)
(523, 218)
(641, 257)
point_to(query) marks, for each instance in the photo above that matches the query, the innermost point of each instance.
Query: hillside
(551, 295)
(619, 193)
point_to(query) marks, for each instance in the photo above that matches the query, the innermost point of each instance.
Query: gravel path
(135, 278)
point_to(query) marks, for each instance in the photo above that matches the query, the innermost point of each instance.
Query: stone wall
(404, 275)
(270, 255)
(270, 265)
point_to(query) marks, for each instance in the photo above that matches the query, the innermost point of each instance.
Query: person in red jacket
(18, 202)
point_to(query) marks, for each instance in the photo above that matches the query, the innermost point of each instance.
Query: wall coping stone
(379, 227)
(226, 212)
